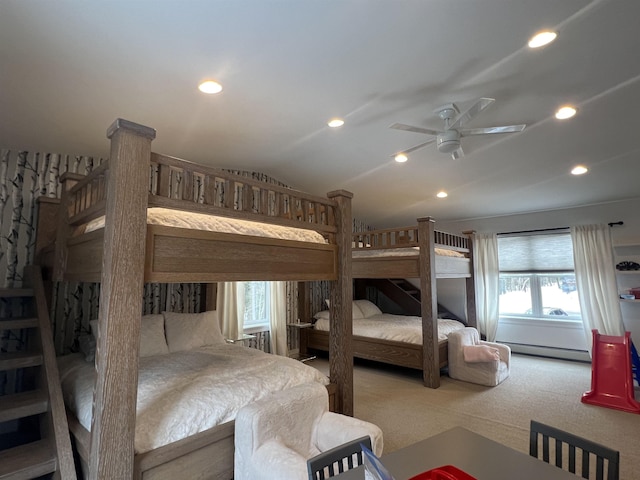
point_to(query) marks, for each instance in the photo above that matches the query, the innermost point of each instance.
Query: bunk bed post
(67, 181)
(470, 284)
(340, 306)
(429, 307)
(115, 391)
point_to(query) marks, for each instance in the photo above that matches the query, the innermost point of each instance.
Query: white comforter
(183, 393)
(400, 328)
(212, 223)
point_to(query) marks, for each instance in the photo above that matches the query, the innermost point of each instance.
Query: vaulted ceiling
(69, 68)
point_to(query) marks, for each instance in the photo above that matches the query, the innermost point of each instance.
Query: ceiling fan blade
(471, 113)
(456, 154)
(413, 149)
(409, 128)
(488, 130)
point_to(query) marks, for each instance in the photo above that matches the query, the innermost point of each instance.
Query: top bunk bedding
(186, 392)
(211, 223)
(398, 252)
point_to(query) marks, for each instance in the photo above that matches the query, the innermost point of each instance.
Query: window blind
(535, 253)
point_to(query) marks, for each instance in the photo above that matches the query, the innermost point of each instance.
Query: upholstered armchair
(476, 361)
(275, 436)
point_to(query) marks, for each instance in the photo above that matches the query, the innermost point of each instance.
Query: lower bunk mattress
(186, 392)
(386, 326)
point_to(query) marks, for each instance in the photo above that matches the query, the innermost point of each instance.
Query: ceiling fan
(448, 140)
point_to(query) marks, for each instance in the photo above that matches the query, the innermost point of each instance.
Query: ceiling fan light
(335, 122)
(401, 158)
(448, 141)
(541, 39)
(442, 194)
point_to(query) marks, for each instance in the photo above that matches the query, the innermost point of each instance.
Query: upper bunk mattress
(403, 252)
(183, 393)
(212, 223)
(400, 328)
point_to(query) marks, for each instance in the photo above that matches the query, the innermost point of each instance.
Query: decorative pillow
(152, 341)
(480, 353)
(185, 331)
(367, 308)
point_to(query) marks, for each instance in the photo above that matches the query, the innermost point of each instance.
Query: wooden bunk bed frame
(127, 252)
(432, 355)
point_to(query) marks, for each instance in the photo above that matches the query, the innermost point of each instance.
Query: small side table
(302, 357)
(245, 337)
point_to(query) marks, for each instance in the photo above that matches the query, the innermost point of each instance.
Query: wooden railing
(182, 185)
(406, 237)
(188, 186)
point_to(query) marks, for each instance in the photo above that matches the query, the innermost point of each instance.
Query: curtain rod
(535, 231)
(613, 224)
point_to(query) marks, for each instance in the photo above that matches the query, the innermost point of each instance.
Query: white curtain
(596, 281)
(230, 307)
(487, 282)
(278, 318)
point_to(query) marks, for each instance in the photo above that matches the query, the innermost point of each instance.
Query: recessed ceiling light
(401, 158)
(335, 122)
(579, 170)
(210, 87)
(565, 112)
(442, 194)
(541, 39)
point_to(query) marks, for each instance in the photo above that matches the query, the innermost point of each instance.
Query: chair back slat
(590, 454)
(337, 460)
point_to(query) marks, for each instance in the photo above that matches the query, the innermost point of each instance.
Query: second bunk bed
(417, 252)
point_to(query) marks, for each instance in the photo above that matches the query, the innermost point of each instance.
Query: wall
(627, 211)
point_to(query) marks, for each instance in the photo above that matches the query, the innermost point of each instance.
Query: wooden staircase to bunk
(400, 291)
(36, 441)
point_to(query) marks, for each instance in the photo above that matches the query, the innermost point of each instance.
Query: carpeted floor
(542, 389)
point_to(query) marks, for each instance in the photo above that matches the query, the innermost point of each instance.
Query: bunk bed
(418, 252)
(124, 251)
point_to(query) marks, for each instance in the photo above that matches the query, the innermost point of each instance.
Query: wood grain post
(341, 298)
(429, 308)
(115, 392)
(63, 231)
(470, 284)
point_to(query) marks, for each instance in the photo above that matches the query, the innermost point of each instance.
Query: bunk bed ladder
(35, 439)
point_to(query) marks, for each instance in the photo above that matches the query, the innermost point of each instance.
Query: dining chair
(572, 451)
(337, 460)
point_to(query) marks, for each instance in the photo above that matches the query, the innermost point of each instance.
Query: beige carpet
(542, 389)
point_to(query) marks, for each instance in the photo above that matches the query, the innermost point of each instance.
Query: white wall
(627, 211)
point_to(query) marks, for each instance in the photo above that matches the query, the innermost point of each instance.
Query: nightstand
(297, 355)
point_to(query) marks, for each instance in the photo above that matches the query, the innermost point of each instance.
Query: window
(537, 279)
(257, 305)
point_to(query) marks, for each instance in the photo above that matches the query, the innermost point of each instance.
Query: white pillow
(356, 313)
(152, 341)
(480, 353)
(185, 331)
(367, 308)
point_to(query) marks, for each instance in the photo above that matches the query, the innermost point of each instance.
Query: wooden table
(479, 456)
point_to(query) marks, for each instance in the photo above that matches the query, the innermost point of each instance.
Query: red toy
(611, 374)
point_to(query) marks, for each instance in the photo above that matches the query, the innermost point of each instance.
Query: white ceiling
(69, 68)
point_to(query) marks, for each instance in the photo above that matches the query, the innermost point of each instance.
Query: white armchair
(275, 436)
(476, 361)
